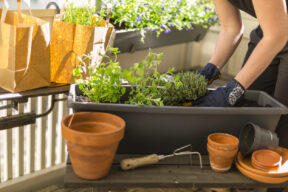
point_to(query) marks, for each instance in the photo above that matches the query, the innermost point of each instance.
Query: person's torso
(246, 6)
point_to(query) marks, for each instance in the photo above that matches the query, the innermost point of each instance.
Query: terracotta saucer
(263, 168)
(259, 177)
(281, 171)
(266, 158)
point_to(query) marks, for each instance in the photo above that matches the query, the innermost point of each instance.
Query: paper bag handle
(4, 10)
(20, 9)
(20, 18)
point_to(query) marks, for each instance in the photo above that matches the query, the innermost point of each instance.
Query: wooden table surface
(176, 172)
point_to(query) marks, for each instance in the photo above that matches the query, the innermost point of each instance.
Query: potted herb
(147, 24)
(152, 126)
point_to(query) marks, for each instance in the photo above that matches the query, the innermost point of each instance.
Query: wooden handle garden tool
(132, 163)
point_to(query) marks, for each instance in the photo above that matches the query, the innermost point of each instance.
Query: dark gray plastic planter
(152, 129)
(129, 41)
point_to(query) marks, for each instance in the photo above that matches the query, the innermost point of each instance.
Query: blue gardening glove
(210, 72)
(222, 96)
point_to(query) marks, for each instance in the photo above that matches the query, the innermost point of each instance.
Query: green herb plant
(84, 15)
(146, 86)
(102, 84)
(161, 15)
(192, 87)
(147, 82)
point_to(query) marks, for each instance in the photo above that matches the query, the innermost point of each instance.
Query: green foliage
(161, 15)
(146, 81)
(103, 82)
(81, 15)
(192, 87)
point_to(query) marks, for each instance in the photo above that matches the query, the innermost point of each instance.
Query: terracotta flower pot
(223, 141)
(222, 149)
(92, 141)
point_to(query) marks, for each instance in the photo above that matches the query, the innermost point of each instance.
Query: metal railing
(35, 147)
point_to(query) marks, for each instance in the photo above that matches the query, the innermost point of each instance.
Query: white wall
(173, 56)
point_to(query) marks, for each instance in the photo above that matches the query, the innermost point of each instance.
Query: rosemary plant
(192, 87)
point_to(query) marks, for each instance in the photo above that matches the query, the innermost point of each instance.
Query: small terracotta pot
(223, 141)
(221, 160)
(92, 141)
(222, 149)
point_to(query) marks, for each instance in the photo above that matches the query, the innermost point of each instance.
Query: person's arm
(227, 41)
(230, 34)
(273, 19)
(272, 16)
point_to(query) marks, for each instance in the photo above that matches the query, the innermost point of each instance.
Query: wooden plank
(34, 181)
(4, 95)
(53, 118)
(166, 176)
(63, 142)
(8, 162)
(174, 172)
(20, 145)
(1, 146)
(32, 149)
(43, 128)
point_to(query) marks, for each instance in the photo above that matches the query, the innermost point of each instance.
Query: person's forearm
(273, 19)
(226, 44)
(259, 60)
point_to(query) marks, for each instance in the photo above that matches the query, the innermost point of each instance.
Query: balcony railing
(36, 147)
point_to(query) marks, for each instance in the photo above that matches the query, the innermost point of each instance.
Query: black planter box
(129, 41)
(151, 129)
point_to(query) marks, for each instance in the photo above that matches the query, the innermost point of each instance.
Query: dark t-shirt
(246, 6)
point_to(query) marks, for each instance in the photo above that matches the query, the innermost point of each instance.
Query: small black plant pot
(253, 137)
(151, 129)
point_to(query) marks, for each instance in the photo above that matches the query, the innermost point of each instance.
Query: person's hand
(210, 72)
(222, 96)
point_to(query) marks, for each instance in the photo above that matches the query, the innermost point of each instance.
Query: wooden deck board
(167, 174)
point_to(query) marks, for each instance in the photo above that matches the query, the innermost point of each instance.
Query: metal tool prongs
(127, 164)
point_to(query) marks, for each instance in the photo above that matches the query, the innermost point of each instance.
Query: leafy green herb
(191, 87)
(161, 15)
(146, 81)
(102, 84)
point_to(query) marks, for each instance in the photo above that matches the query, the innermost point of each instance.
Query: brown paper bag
(24, 51)
(70, 42)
